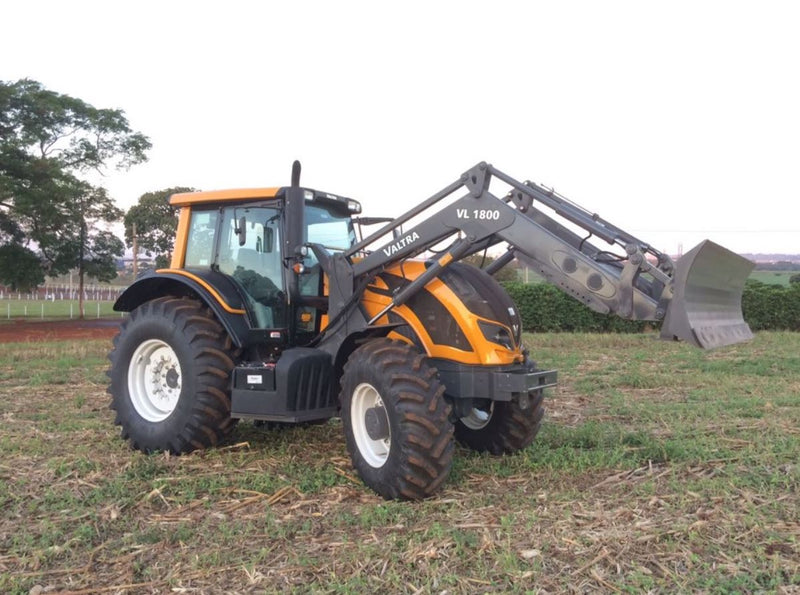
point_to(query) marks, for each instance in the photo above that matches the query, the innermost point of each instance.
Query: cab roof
(184, 199)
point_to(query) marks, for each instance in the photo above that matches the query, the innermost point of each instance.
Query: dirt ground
(21, 331)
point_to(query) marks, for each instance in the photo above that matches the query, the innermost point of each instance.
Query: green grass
(773, 277)
(38, 309)
(659, 468)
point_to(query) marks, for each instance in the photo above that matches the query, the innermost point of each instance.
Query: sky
(676, 121)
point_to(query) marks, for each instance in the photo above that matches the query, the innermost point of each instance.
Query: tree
(38, 123)
(20, 268)
(47, 141)
(156, 222)
(80, 242)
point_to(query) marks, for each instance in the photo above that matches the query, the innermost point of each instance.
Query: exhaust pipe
(706, 306)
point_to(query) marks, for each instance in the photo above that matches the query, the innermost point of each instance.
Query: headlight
(353, 206)
(496, 334)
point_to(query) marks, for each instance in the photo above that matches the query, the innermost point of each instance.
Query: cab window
(200, 244)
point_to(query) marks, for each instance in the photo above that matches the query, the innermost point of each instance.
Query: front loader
(275, 309)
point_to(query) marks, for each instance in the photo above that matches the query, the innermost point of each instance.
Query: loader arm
(699, 299)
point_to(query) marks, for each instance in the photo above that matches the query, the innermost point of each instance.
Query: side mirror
(241, 230)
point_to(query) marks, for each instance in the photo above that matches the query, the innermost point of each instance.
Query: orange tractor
(274, 308)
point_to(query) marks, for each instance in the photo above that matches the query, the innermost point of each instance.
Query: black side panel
(483, 295)
(154, 285)
(306, 376)
(299, 387)
(439, 323)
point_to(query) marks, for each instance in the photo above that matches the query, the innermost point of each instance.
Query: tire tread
(420, 459)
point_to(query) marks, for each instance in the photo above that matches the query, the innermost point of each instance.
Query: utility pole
(135, 254)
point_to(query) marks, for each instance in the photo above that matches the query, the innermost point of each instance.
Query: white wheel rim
(154, 380)
(478, 418)
(375, 452)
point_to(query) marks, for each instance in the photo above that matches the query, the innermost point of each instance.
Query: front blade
(706, 307)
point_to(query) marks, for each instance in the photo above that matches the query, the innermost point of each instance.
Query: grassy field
(660, 468)
(36, 309)
(773, 277)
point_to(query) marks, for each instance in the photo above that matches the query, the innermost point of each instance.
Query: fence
(59, 300)
(55, 291)
(42, 309)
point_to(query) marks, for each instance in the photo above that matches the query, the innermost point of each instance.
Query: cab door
(249, 252)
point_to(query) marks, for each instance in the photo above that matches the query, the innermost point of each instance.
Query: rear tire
(170, 377)
(396, 420)
(501, 427)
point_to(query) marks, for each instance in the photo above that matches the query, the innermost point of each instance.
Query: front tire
(396, 420)
(501, 427)
(170, 376)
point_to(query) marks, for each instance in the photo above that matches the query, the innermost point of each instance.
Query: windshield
(332, 230)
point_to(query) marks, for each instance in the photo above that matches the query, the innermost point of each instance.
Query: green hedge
(771, 307)
(544, 308)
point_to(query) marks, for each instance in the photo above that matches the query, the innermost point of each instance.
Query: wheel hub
(376, 423)
(154, 380)
(477, 419)
(370, 425)
(172, 377)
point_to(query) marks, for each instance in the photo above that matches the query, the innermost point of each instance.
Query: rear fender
(213, 289)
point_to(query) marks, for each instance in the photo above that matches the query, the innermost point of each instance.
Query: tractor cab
(242, 234)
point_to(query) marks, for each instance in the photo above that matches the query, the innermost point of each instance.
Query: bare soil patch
(23, 331)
